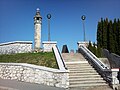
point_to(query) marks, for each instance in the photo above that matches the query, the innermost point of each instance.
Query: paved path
(16, 85)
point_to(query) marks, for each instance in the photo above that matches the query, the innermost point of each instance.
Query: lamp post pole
(83, 18)
(48, 16)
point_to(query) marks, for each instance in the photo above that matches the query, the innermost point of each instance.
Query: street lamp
(83, 18)
(48, 16)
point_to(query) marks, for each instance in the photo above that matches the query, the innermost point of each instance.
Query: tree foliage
(95, 49)
(108, 35)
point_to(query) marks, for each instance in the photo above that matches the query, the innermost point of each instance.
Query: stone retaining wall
(34, 74)
(113, 59)
(48, 45)
(15, 47)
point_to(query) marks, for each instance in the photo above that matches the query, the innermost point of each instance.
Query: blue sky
(16, 19)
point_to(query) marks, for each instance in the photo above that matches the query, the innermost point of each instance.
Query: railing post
(115, 81)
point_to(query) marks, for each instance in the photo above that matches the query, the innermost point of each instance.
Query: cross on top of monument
(38, 10)
(38, 13)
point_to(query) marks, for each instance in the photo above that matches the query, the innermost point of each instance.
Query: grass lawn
(42, 58)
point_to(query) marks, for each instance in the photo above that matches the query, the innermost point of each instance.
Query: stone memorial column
(37, 34)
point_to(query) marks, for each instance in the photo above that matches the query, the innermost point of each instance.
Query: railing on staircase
(60, 61)
(94, 58)
(100, 67)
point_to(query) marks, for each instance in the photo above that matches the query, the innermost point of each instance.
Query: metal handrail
(101, 68)
(94, 58)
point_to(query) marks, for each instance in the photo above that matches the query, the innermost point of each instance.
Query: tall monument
(37, 33)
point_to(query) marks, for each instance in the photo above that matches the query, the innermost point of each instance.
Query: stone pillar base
(115, 81)
(38, 50)
(83, 43)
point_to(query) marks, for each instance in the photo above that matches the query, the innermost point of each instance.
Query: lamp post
(83, 18)
(48, 16)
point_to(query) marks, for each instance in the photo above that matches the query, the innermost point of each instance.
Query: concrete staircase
(82, 76)
(71, 57)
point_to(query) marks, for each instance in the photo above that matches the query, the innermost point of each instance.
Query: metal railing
(94, 58)
(100, 67)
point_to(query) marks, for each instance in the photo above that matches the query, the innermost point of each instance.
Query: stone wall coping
(37, 67)
(116, 55)
(13, 42)
(115, 69)
(82, 42)
(49, 42)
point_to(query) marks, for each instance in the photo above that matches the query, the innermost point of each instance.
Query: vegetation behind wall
(42, 58)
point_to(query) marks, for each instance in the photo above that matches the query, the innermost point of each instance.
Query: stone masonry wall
(34, 74)
(15, 47)
(48, 45)
(113, 59)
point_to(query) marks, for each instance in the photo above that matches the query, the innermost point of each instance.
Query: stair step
(83, 76)
(80, 69)
(87, 82)
(77, 62)
(78, 65)
(73, 60)
(81, 73)
(84, 79)
(85, 64)
(81, 59)
(88, 67)
(72, 55)
(84, 73)
(100, 87)
(88, 85)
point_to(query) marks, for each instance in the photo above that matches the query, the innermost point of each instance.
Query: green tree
(90, 46)
(115, 36)
(105, 24)
(99, 51)
(118, 37)
(111, 39)
(108, 35)
(102, 23)
(94, 49)
(99, 34)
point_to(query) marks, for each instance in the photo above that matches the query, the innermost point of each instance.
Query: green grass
(42, 58)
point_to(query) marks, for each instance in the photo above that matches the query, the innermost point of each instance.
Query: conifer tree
(102, 23)
(99, 51)
(99, 34)
(105, 24)
(118, 36)
(90, 46)
(115, 36)
(111, 40)
(94, 48)
(108, 35)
